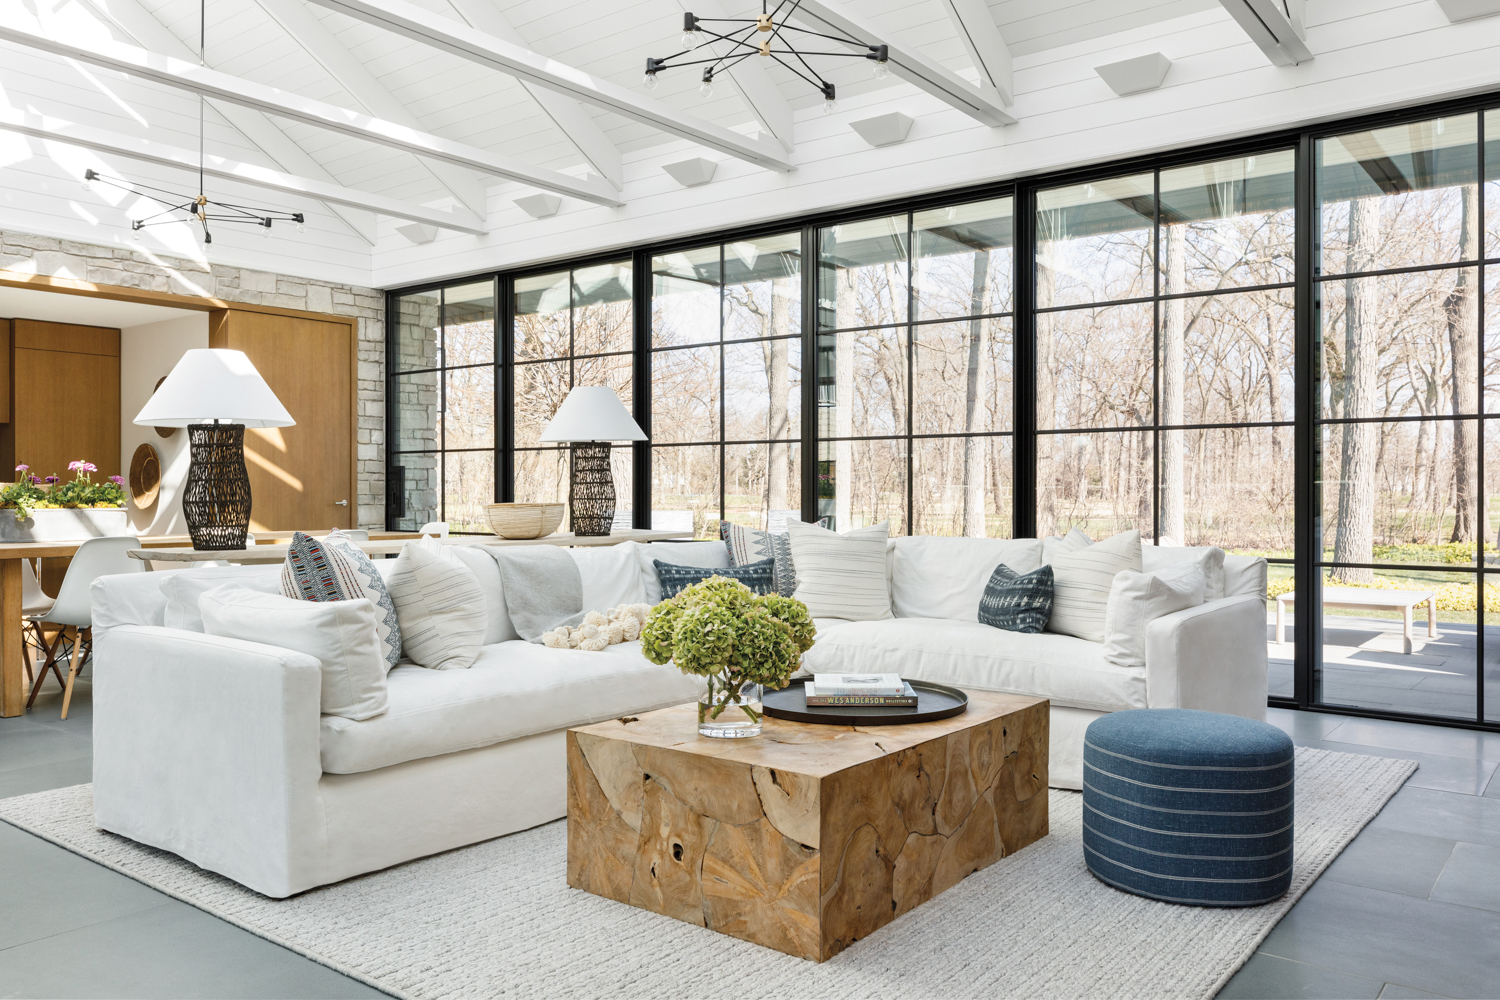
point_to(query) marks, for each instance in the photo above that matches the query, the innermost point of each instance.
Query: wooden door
(67, 398)
(299, 474)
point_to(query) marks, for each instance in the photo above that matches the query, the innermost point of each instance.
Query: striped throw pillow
(842, 575)
(1081, 582)
(1015, 602)
(751, 545)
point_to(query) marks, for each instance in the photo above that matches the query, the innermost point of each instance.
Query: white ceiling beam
(183, 75)
(981, 37)
(567, 114)
(485, 49)
(150, 151)
(1275, 26)
(139, 23)
(908, 63)
(320, 43)
(755, 85)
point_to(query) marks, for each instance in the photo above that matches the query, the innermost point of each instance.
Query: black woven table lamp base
(216, 500)
(591, 498)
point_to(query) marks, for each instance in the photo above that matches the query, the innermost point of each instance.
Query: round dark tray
(934, 701)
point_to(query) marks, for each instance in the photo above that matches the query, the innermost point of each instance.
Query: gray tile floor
(1410, 909)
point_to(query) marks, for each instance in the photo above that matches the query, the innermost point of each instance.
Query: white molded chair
(357, 534)
(95, 558)
(437, 528)
(34, 601)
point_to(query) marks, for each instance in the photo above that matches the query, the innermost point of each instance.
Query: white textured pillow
(611, 575)
(341, 634)
(841, 576)
(183, 589)
(1138, 599)
(1055, 546)
(440, 606)
(1208, 558)
(1081, 583)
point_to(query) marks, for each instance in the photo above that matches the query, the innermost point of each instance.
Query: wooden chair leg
(49, 664)
(73, 669)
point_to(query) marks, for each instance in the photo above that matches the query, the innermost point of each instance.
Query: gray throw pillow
(1017, 603)
(759, 577)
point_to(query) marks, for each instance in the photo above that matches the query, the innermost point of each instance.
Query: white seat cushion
(514, 689)
(1070, 671)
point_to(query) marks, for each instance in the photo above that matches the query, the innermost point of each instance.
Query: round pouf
(1188, 807)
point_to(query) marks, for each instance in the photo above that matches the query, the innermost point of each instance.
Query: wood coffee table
(806, 838)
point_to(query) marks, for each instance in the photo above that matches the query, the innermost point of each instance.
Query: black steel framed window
(915, 366)
(568, 327)
(1172, 348)
(726, 384)
(440, 406)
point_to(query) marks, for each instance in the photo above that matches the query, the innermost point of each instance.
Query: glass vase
(729, 709)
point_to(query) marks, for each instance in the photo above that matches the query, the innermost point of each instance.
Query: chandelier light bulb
(649, 82)
(136, 234)
(830, 106)
(882, 71)
(692, 39)
(706, 88)
(301, 227)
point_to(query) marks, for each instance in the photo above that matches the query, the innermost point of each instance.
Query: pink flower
(90, 467)
(117, 480)
(75, 466)
(23, 468)
(34, 479)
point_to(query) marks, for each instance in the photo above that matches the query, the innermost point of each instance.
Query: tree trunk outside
(974, 412)
(1354, 533)
(1046, 383)
(777, 380)
(1173, 346)
(843, 397)
(1471, 521)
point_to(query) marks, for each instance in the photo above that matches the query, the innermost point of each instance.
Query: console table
(807, 837)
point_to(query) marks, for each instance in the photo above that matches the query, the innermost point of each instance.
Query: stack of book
(859, 689)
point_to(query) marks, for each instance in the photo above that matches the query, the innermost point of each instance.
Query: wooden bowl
(524, 520)
(145, 477)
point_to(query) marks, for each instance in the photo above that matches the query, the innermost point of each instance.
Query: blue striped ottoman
(1188, 807)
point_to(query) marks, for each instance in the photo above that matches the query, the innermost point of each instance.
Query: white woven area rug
(498, 919)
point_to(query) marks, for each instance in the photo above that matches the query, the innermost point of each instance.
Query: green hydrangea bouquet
(737, 641)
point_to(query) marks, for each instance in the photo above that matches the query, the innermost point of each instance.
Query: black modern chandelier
(742, 44)
(194, 208)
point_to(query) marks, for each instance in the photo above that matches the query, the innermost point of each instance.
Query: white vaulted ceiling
(308, 49)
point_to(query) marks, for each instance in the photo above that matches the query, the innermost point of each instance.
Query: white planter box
(64, 524)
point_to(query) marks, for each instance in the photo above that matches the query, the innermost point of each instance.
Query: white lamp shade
(210, 384)
(592, 413)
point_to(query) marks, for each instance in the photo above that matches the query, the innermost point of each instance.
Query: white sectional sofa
(214, 748)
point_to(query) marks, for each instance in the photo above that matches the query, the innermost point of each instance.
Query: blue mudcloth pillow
(1188, 806)
(759, 577)
(1017, 603)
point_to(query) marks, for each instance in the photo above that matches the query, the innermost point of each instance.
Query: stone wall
(59, 258)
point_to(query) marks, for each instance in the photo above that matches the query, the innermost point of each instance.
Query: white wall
(148, 352)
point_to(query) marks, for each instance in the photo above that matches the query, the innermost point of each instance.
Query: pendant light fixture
(198, 208)
(740, 36)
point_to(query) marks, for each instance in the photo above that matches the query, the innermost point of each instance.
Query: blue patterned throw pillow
(333, 568)
(759, 577)
(1017, 603)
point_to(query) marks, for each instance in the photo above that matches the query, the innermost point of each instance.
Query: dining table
(161, 551)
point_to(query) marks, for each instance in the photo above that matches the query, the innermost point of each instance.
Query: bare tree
(1354, 534)
(1173, 346)
(976, 390)
(1472, 520)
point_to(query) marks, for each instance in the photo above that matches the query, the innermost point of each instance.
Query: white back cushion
(1207, 558)
(1081, 583)
(183, 589)
(1138, 599)
(497, 623)
(612, 575)
(936, 577)
(713, 554)
(1244, 575)
(1060, 545)
(341, 634)
(842, 575)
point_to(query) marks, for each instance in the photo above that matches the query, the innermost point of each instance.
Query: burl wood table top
(805, 838)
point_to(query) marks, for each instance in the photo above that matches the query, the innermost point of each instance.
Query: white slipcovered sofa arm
(208, 747)
(1212, 657)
